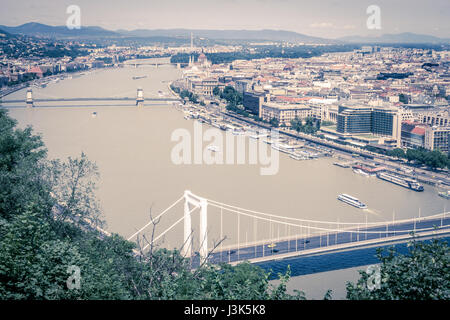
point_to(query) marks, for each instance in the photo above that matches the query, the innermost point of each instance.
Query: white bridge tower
(196, 201)
(140, 98)
(29, 98)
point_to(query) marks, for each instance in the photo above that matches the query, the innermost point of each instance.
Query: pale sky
(322, 18)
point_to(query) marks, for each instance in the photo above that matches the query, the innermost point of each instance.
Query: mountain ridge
(62, 32)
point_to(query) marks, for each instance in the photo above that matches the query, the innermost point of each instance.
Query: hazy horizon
(326, 19)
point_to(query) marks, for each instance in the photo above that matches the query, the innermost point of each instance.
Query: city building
(436, 138)
(440, 118)
(203, 61)
(36, 71)
(284, 113)
(413, 135)
(354, 119)
(378, 121)
(387, 122)
(203, 86)
(253, 101)
(243, 85)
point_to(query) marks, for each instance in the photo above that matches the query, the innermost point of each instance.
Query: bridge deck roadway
(94, 99)
(318, 243)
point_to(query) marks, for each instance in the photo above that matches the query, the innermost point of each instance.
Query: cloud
(321, 25)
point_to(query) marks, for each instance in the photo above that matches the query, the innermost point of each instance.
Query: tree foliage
(397, 153)
(310, 126)
(274, 122)
(216, 91)
(265, 51)
(74, 185)
(191, 96)
(421, 274)
(48, 223)
(232, 96)
(48, 216)
(433, 159)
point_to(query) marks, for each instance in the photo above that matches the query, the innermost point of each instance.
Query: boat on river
(352, 201)
(401, 181)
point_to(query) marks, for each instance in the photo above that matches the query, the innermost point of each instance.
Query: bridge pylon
(190, 198)
(140, 98)
(29, 99)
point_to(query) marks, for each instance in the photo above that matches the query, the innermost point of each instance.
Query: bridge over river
(302, 236)
(139, 100)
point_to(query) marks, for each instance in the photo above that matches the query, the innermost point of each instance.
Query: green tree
(73, 188)
(191, 96)
(435, 159)
(33, 261)
(47, 210)
(231, 95)
(22, 156)
(296, 124)
(412, 154)
(310, 126)
(397, 153)
(175, 89)
(216, 91)
(421, 274)
(403, 98)
(274, 122)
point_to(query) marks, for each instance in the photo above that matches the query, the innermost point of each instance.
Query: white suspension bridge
(288, 236)
(30, 99)
(137, 63)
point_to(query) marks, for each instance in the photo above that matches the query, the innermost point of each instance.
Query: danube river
(132, 148)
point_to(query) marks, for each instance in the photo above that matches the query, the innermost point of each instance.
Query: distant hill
(4, 34)
(267, 35)
(406, 37)
(42, 30)
(62, 32)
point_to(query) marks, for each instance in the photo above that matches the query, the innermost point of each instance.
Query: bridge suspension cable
(151, 222)
(226, 206)
(168, 229)
(319, 228)
(319, 234)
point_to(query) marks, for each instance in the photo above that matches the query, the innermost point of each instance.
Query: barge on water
(342, 164)
(401, 181)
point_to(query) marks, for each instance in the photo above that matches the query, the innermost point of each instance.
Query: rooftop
(286, 106)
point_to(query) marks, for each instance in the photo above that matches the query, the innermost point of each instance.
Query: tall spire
(191, 58)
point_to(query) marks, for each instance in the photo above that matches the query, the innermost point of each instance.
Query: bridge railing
(325, 241)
